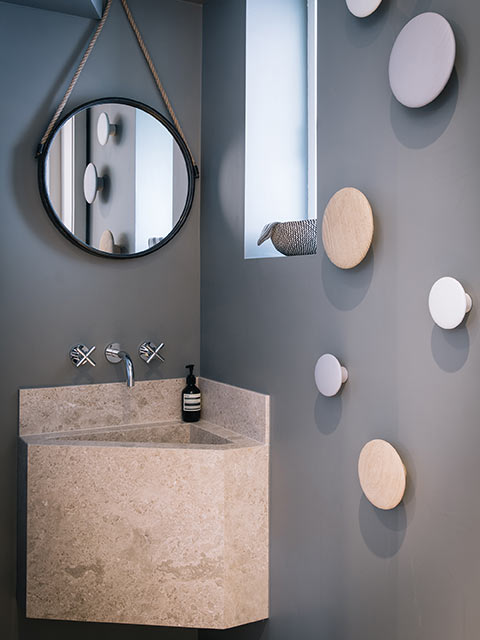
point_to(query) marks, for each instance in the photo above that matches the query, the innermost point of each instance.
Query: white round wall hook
(422, 60)
(105, 129)
(329, 375)
(448, 303)
(363, 8)
(92, 183)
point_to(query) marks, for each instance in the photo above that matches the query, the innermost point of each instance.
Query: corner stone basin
(136, 517)
(168, 433)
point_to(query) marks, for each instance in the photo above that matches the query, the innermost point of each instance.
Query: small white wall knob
(329, 375)
(105, 129)
(92, 183)
(363, 8)
(448, 303)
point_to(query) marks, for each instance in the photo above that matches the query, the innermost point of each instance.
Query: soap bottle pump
(191, 398)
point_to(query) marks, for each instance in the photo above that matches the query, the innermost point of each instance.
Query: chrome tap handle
(148, 351)
(80, 355)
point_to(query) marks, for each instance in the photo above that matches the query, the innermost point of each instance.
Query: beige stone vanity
(136, 517)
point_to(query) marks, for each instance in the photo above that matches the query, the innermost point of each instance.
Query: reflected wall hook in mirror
(92, 183)
(105, 128)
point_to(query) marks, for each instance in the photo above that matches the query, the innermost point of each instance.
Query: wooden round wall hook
(382, 474)
(347, 228)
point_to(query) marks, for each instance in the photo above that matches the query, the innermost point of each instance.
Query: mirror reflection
(117, 179)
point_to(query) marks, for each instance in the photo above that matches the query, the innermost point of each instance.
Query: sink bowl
(136, 517)
(170, 433)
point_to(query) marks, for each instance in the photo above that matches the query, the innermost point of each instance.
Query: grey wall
(341, 570)
(53, 294)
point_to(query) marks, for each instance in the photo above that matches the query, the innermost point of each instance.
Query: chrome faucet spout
(128, 369)
(114, 354)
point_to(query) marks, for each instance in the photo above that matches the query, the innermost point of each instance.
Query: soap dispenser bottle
(191, 398)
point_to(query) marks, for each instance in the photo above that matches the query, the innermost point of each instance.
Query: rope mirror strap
(163, 93)
(151, 66)
(73, 81)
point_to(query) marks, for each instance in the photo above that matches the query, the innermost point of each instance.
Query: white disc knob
(448, 303)
(105, 129)
(92, 183)
(329, 375)
(422, 60)
(363, 8)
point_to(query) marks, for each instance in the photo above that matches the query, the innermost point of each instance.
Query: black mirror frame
(192, 175)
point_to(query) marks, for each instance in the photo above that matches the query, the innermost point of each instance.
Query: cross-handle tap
(80, 355)
(148, 351)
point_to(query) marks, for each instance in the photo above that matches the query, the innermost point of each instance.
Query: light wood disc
(382, 474)
(347, 228)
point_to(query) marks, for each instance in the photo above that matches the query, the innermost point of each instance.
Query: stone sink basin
(134, 516)
(202, 433)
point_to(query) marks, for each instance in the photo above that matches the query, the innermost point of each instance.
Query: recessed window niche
(280, 123)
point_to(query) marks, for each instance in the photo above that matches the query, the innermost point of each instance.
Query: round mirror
(116, 169)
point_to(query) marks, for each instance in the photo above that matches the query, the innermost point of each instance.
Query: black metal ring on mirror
(116, 178)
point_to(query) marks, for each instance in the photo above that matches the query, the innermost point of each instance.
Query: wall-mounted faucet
(114, 354)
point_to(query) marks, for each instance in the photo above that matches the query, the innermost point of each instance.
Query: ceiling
(84, 8)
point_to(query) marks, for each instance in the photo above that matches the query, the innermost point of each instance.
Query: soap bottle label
(192, 401)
